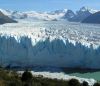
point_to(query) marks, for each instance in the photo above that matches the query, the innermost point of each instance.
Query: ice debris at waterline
(58, 44)
(61, 76)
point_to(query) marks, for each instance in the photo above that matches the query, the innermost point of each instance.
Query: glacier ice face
(56, 43)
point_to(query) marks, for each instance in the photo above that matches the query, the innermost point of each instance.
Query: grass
(11, 78)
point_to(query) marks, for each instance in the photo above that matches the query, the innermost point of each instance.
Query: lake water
(94, 75)
(83, 73)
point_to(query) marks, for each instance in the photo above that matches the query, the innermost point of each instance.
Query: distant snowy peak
(69, 14)
(59, 11)
(18, 15)
(94, 18)
(42, 15)
(33, 15)
(51, 16)
(13, 14)
(83, 13)
(5, 19)
(84, 9)
(6, 12)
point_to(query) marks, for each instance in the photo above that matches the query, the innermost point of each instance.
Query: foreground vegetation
(11, 78)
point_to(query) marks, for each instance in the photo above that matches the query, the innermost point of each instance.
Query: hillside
(60, 14)
(30, 78)
(5, 19)
(94, 18)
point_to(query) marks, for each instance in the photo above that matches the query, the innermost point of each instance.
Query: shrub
(96, 84)
(84, 83)
(73, 82)
(2, 83)
(26, 76)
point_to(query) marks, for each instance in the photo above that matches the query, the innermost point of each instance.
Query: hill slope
(94, 18)
(83, 13)
(5, 19)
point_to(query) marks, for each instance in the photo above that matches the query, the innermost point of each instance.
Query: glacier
(50, 43)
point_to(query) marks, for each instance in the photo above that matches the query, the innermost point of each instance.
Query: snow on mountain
(5, 19)
(82, 14)
(52, 43)
(6, 12)
(83, 9)
(59, 11)
(94, 18)
(18, 15)
(53, 15)
(14, 14)
(69, 15)
(43, 16)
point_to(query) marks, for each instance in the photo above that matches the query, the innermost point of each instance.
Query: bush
(2, 83)
(14, 83)
(96, 84)
(85, 83)
(26, 76)
(73, 82)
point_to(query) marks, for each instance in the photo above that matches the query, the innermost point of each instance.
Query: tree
(85, 83)
(96, 84)
(73, 82)
(26, 76)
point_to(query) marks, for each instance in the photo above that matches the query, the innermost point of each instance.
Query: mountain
(18, 15)
(94, 18)
(5, 19)
(14, 14)
(65, 14)
(33, 15)
(58, 11)
(6, 12)
(52, 16)
(82, 14)
(69, 15)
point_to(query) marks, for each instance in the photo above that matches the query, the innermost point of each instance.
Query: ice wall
(58, 52)
(55, 43)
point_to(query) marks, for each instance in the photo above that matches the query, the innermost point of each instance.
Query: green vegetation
(96, 84)
(84, 83)
(73, 82)
(26, 76)
(11, 78)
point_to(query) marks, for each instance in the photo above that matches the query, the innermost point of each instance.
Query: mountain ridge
(5, 19)
(66, 14)
(94, 18)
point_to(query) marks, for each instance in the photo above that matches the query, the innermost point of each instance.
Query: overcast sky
(48, 5)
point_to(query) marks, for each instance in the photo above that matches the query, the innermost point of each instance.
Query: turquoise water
(94, 75)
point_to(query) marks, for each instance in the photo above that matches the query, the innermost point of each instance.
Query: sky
(48, 5)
